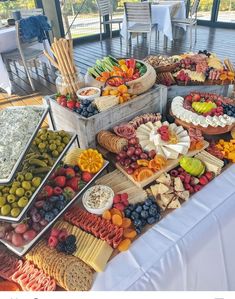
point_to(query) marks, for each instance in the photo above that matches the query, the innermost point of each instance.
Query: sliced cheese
(101, 257)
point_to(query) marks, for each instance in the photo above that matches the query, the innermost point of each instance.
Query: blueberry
(148, 202)
(53, 199)
(90, 114)
(49, 216)
(96, 112)
(55, 211)
(153, 211)
(151, 220)
(60, 205)
(157, 217)
(144, 214)
(229, 113)
(86, 102)
(66, 166)
(145, 207)
(127, 213)
(76, 168)
(84, 113)
(79, 110)
(134, 215)
(138, 209)
(138, 230)
(137, 223)
(131, 207)
(90, 109)
(47, 206)
(143, 222)
(42, 213)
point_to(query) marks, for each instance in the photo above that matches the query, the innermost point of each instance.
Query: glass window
(226, 11)
(7, 7)
(205, 9)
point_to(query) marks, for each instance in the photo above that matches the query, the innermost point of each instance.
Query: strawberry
(60, 181)
(70, 173)
(71, 104)
(52, 242)
(203, 180)
(73, 183)
(196, 97)
(117, 198)
(55, 232)
(86, 176)
(182, 177)
(57, 190)
(188, 98)
(69, 193)
(60, 171)
(119, 206)
(63, 103)
(209, 175)
(187, 186)
(47, 191)
(60, 98)
(187, 178)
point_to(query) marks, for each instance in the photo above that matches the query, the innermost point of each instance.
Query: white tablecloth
(8, 43)
(161, 15)
(191, 249)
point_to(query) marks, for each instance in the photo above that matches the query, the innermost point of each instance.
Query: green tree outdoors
(7, 7)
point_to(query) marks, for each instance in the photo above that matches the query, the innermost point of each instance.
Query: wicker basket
(167, 68)
(135, 87)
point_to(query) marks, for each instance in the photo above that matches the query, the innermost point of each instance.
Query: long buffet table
(191, 249)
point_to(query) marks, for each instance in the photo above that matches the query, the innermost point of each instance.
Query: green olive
(55, 154)
(62, 133)
(28, 176)
(22, 202)
(5, 190)
(16, 184)
(2, 201)
(20, 192)
(43, 137)
(36, 181)
(5, 210)
(15, 212)
(41, 146)
(52, 147)
(28, 193)
(11, 198)
(20, 178)
(60, 149)
(14, 204)
(26, 185)
(66, 140)
(12, 190)
(57, 142)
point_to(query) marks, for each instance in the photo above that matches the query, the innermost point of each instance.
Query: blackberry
(70, 248)
(71, 239)
(61, 247)
(76, 168)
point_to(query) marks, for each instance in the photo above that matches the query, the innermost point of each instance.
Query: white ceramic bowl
(88, 97)
(102, 207)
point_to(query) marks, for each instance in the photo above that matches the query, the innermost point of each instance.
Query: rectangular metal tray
(20, 251)
(21, 215)
(19, 161)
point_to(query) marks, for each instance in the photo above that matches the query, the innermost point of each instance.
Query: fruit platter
(45, 152)
(146, 147)
(211, 113)
(202, 68)
(19, 126)
(137, 75)
(63, 187)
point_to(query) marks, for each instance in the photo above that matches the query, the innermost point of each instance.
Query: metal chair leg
(191, 35)
(28, 75)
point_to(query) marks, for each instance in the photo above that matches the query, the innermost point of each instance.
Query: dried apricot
(117, 220)
(129, 233)
(126, 222)
(107, 215)
(115, 211)
(124, 245)
(144, 174)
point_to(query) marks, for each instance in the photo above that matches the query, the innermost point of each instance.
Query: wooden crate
(154, 100)
(175, 90)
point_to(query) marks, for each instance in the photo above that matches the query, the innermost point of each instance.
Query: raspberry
(124, 196)
(55, 232)
(52, 242)
(63, 235)
(117, 198)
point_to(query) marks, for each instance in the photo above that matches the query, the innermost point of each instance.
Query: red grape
(138, 151)
(133, 141)
(134, 158)
(130, 170)
(152, 154)
(125, 148)
(144, 156)
(21, 228)
(118, 158)
(134, 165)
(122, 162)
(127, 162)
(130, 151)
(122, 154)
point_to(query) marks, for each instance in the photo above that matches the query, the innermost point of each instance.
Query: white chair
(138, 19)
(190, 22)
(25, 13)
(106, 9)
(25, 52)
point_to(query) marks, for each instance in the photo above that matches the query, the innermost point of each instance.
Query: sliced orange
(143, 162)
(90, 160)
(144, 174)
(123, 88)
(154, 166)
(159, 159)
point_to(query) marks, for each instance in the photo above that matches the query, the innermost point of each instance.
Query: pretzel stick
(51, 59)
(61, 65)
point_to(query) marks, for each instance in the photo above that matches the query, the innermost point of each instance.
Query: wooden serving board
(171, 164)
